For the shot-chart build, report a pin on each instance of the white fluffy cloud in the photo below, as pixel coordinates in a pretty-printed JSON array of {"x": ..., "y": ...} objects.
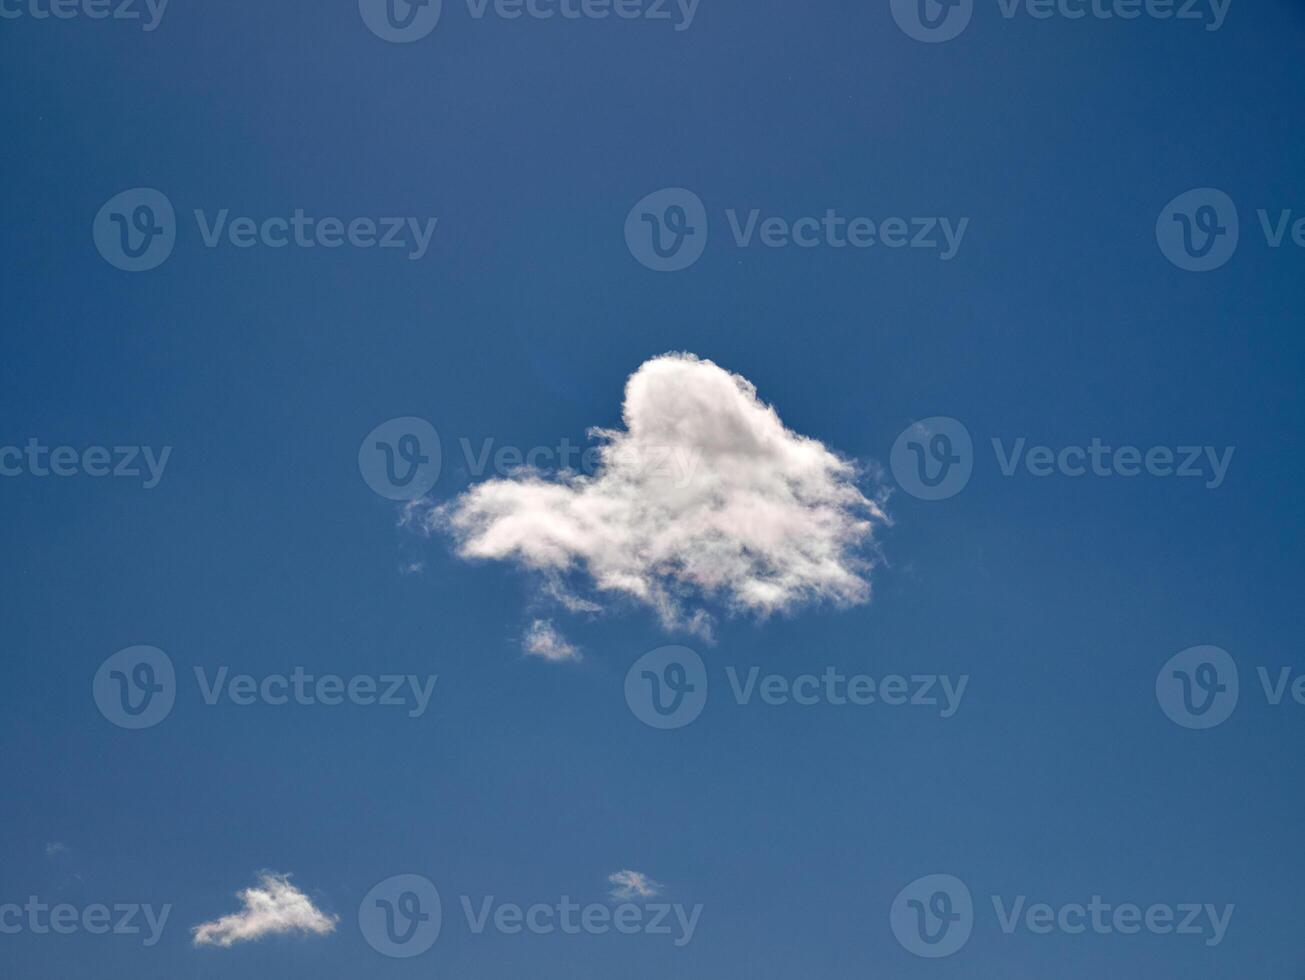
[
  {"x": 627, "y": 885},
  {"x": 272, "y": 907},
  {"x": 704, "y": 497},
  {"x": 543, "y": 640}
]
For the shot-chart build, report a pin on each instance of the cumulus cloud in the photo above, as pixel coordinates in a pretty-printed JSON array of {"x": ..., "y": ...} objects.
[
  {"x": 703, "y": 497},
  {"x": 543, "y": 640},
  {"x": 628, "y": 885},
  {"x": 272, "y": 907}
]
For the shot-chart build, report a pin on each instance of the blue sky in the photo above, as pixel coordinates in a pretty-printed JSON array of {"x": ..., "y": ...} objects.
[{"x": 262, "y": 548}]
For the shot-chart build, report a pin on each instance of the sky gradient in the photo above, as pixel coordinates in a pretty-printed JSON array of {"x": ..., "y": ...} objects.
[{"x": 262, "y": 547}]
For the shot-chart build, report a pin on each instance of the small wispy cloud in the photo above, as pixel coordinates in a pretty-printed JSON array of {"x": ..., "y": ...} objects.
[
  {"x": 56, "y": 849},
  {"x": 543, "y": 640},
  {"x": 628, "y": 885},
  {"x": 272, "y": 907}
]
